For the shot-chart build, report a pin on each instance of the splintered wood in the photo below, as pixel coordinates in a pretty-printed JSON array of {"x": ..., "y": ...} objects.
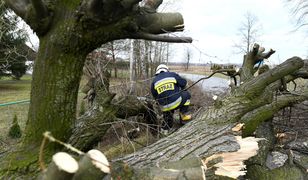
[
  {"x": 231, "y": 163},
  {"x": 238, "y": 127}
]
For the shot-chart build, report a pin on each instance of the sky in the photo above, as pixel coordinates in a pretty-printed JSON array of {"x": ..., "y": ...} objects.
[{"x": 214, "y": 26}]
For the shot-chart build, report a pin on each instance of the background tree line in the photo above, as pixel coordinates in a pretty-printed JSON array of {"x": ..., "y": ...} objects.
[{"x": 13, "y": 51}]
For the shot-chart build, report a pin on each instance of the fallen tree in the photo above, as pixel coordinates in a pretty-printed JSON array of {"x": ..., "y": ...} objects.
[
  {"x": 211, "y": 145},
  {"x": 213, "y": 136},
  {"x": 251, "y": 103}
]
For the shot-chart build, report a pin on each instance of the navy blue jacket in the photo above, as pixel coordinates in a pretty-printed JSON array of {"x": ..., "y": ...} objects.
[{"x": 165, "y": 87}]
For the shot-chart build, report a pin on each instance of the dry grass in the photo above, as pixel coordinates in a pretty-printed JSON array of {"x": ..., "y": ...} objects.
[{"x": 123, "y": 146}]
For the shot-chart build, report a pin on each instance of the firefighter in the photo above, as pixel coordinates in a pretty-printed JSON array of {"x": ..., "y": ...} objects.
[{"x": 168, "y": 89}]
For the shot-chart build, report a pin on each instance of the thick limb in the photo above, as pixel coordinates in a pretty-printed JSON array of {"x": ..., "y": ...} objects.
[
  {"x": 250, "y": 60},
  {"x": 20, "y": 7}
]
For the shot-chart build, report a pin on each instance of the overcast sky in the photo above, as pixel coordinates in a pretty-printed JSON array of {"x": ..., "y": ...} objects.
[{"x": 214, "y": 24}]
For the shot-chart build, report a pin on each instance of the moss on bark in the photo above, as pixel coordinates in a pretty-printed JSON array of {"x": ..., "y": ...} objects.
[
  {"x": 54, "y": 94},
  {"x": 286, "y": 173},
  {"x": 23, "y": 163}
]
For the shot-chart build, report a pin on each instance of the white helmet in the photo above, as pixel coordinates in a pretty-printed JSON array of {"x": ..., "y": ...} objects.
[{"x": 161, "y": 68}]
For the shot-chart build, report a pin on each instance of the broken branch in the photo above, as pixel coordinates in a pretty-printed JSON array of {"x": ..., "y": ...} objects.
[{"x": 162, "y": 38}]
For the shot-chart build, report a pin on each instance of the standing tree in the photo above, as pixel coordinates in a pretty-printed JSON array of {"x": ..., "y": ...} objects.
[
  {"x": 114, "y": 50},
  {"x": 300, "y": 11},
  {"x": 248, "y": 33},
  {"x": 187, "y": 58},
  {"x": 68, "y": 30},
  {"x": 13, "y": 51}
]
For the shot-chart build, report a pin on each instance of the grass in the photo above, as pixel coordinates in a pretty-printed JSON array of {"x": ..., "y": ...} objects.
[{"x": 10, "y": 91}]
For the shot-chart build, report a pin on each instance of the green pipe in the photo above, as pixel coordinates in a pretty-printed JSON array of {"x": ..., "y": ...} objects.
[{"x": 15, "y": 102}]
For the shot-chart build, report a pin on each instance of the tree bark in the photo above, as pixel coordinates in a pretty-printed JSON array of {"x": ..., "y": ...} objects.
[{"x": 54, "y": 92}]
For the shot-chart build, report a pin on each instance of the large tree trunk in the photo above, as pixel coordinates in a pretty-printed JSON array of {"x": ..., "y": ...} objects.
[{"x": 54, "y": 91}]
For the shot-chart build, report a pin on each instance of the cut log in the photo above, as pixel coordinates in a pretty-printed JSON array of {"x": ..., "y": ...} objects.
[
  {"x": 62, "y": 167},
  {"x": 94, "y": 164}
]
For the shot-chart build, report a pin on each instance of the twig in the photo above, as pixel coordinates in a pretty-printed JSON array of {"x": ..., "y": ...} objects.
[
  {"x": 41, "y": 154},
  {"x": 47, "y": 136},
  {"x": 185, "y": 89}
]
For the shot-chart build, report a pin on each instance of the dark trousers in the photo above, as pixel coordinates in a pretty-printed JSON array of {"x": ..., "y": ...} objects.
[
  {"x": 168, "y": 120},
  {"x": 168, "y": 115}
]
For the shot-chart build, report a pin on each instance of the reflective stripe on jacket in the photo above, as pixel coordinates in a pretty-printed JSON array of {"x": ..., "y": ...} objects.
[{"x": 166, "y": 87}]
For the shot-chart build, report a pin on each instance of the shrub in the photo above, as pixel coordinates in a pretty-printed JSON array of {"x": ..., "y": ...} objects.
[{"x": 15, "y": 131}]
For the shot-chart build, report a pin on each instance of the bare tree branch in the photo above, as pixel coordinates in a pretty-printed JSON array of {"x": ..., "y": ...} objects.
[
  {"x": 153, "y": 37},
  {"x": 301, "y": 74},
  {"x": 141, "y": 25},
  {"x": 254, "y": 57},
  {"x": 255, "y": 49},
  {"x": 269, "y": 110},
  {"x": 268, "y": 54},
  {"x": 256, "y": 86},
  {"x": 248, "y": 33}
]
